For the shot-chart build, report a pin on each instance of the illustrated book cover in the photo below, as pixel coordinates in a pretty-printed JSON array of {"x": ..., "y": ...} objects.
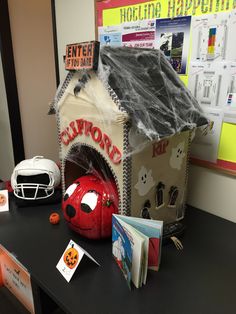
[{"x": 136, "y": 247}]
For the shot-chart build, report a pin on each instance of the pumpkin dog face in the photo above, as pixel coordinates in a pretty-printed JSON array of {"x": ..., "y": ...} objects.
[
  {"x": 88, "y": 206},
  {"x": 71, "y": 257}
]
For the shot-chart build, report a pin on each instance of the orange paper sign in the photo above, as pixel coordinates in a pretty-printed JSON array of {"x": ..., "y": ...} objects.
[
  {"x": 16, "y": 279},
  {"x": 82, "y": 56}
]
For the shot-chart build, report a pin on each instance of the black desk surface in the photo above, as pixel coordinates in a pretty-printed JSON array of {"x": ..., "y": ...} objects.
[{"x": 200, "y": 279}]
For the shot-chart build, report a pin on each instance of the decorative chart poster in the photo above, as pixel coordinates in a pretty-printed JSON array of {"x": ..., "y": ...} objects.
[
  {"x": 230, "y": 104},
  {"x": 205, "y": 145},
  {"x": 214, "y": 37},
  {"x": 212, "y": 80}
]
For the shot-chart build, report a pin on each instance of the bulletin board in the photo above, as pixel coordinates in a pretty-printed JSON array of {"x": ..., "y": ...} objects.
[{"x": 184, "y": 16}]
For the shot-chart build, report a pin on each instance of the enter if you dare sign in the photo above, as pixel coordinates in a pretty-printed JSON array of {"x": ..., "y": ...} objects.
[{"x": 82, "y": 56}]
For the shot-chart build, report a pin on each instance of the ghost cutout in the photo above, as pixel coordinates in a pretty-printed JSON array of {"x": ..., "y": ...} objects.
[
  {"x": 145, "y": 181},
  {"x": 177, "y": 156},
  {"x": 118, "y": 250}
]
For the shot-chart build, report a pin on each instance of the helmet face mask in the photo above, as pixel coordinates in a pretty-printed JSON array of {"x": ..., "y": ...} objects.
[
  {"x": 34, "y": 187},
  {"x": 32, "y": 182}
]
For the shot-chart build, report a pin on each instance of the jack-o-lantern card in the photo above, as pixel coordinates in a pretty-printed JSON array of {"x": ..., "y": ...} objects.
[
  {"x": 70, "y": 260},
  {"x": 4, "y": 201}
]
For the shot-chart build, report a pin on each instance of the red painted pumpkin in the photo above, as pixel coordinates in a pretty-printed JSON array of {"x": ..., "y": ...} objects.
[{"x": 88, "y": 206}]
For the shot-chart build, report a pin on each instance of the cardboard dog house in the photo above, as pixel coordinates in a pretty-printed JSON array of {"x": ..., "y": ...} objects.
[{"x": 129, "y": 121}]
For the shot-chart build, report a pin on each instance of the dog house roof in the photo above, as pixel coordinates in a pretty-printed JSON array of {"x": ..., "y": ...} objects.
[
  {"x": 145, "y": 86},
  {"x": 150, "y": 91}
]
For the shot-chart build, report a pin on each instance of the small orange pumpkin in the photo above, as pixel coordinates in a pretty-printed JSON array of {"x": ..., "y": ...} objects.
[
  {"x": 54, "y": 218},
  {"x": 3, "y": 199},
  {"x": 71, "y": 257}
]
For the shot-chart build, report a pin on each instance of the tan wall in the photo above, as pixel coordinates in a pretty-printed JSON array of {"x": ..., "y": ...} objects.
[
  {"x": 213, "y": 192},
  {"x": 75, "y": 24},
  {"x": 31, "y": 26}
]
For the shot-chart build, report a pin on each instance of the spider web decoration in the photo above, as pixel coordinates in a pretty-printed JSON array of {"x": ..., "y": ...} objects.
[{"x": 150, "y": 91}]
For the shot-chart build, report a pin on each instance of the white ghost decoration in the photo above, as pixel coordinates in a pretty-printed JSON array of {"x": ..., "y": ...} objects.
[
  {"x": 118, "y": 250},
  {"x": 177, "y": 156},
  {"x": 145, "y": 181}
]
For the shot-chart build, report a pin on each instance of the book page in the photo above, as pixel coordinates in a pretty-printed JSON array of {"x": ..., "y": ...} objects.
[
  {"x": 153, "y": 230},
  {"x": 137, "y": 242},
  {"x": 144, "y": 262},
  {"x": 122, "y": 249}
]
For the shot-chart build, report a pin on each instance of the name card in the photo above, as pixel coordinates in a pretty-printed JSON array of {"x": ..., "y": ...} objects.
[
  {"x": 4, "y": 205},
  {"x": 71, "y": 258}
]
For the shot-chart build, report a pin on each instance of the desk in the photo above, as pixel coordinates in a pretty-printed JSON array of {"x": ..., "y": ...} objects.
[{"x": 198, "y": 280}]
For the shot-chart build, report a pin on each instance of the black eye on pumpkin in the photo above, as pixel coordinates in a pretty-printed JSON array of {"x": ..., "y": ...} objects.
[
  {"x": 89, "y": 201},
  {"x": 85, "y": 208},
  {"x": 66, "y": 196}
]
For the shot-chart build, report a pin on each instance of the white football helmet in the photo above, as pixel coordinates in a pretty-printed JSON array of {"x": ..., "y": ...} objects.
[{"x": 35, "y": 178}]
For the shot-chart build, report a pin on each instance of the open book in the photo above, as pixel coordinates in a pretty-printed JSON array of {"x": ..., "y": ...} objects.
[{"x": 136, "y": 246}]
